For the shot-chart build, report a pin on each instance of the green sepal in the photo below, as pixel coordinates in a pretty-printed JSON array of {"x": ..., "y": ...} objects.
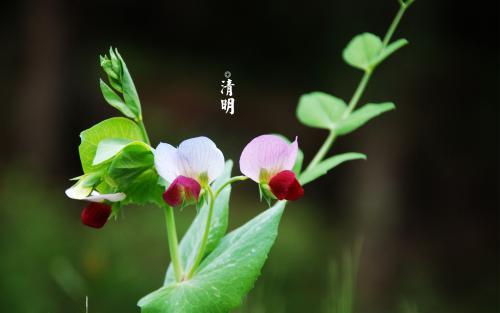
[{"x": 266, "y": 193}]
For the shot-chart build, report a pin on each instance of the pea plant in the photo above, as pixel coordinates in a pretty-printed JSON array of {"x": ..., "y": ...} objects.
[{"x": 211, "y": 270}]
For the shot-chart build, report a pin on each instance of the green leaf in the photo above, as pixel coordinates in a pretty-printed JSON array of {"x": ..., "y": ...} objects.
[
  {"x": 108, "y": 148},
  {"x": 362, "y": 115},
  {"x": 320, "y": 110},
  {"x": 226, "y": 275},
  {"x": 190, "y": 243},
  {"x": 129, "y": 92},
  {"x": 362, "y": 51},
  {"x": 390, "y": 49},
  {"x": 132, "y": 172},
  {"x": 114, "y": 100},
  {"x": 116, "y": 127},
  {"x": 326, "y": 165}
]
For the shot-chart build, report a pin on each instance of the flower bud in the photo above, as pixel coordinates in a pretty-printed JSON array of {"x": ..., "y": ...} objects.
[
  {"x": 182, "y": 191},
  {"x": 96, "y": 214},
  {"x": 285, "y": 185}
]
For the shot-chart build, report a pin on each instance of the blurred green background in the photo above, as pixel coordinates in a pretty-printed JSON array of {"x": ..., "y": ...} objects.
[{"x": 425, "y": 202}]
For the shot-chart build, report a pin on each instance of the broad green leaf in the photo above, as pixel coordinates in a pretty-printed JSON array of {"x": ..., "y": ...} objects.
[
  {"x": 145, "y": 188},
  {"x": 108, "y": 148},
  {"x": 363, "y": 50},
  {"x": 114, "y": 100},
  {"x": 226, "y": 275},
  {"x": 390, "y": 49},
  {"x": 116, "y": 127},
  {"x": 132, "y": 172},
  {"x": 129, "y": 92},
  {"x": 320, "y": 110},
  {"x": 362, "y": 115},
  {"x": 326, "y": 165},
  {"x": 190, "y": 243}
]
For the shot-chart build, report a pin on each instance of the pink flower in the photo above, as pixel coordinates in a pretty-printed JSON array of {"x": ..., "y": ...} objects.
[
  {"x": 268, "y": 160},
  {"x": 195, "y": 164}
]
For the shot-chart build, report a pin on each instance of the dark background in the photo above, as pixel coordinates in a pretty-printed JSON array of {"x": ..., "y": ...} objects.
[{"x": 425, "y": 202}]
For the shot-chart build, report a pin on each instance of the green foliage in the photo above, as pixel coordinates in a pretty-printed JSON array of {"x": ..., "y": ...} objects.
[
  {"x": 191, "y": 241},
  {"x": 116, "y": 127},
  {"x": 362, "y": 115},
  {"x": 116, "y": 157},
  {"x": 115, "y": 100},
  {"x": 114, "y": 150},
  {"x": 362, "y": 51},
  {"x": 226, "y": 275},
  {"x": 132, "y": 172},
  {"x": 390, "y": 49},
  {"x": 366, "y": 51},
  {"x": 324, "y": 166},
  {"x": 320, "y": 110},
  {"x": 108, "y": 148},
  {"x": 119, "y": 78}
]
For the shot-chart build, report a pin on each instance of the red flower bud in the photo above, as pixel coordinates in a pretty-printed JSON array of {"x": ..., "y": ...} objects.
[
  {"x": 285, "y": 185},
  {"x": 96, "y": 214},
  {"x": 182, "y": 190}
]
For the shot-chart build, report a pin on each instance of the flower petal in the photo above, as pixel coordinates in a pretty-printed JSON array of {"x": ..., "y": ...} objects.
[
  {"x": 285, "y": 185},
  {"x": 78, "y": 192},
  {"x": 182, "y": 190},
  {"x": 113, "y": 197},
  {"x": 166, "y": 161},
  {"x": 200, "y": 155},
  {"x": 96, "y": 214},
  {"x": 269, "y": 152}
]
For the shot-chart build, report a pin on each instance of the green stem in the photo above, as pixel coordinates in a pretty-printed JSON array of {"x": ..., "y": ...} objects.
[
  {"x": 361, "y": 86},
  {"x": 144, "y": 133},
  {"x": 358, "y": 93},
  {"x": 229, "y": 182},
  {"x": 204, "y": 239},
  {"x": 173, "y": 243},
  {"x": 403, "y": 6},
  {"x": 322, "y": 151}
]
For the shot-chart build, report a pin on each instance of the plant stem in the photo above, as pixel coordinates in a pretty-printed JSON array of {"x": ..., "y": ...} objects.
[
  {"x": 173, "y": 243},
  {"x": 403, "y": 6},
  {"x": 145, "y": 136},
  {"x": 204, "y": 239},
  {"x": 322, "y": 151},
  {"x": 229, "y": 182},
  {"x": 358, "y": 93},
  {"x": 361, "y": 86}
]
